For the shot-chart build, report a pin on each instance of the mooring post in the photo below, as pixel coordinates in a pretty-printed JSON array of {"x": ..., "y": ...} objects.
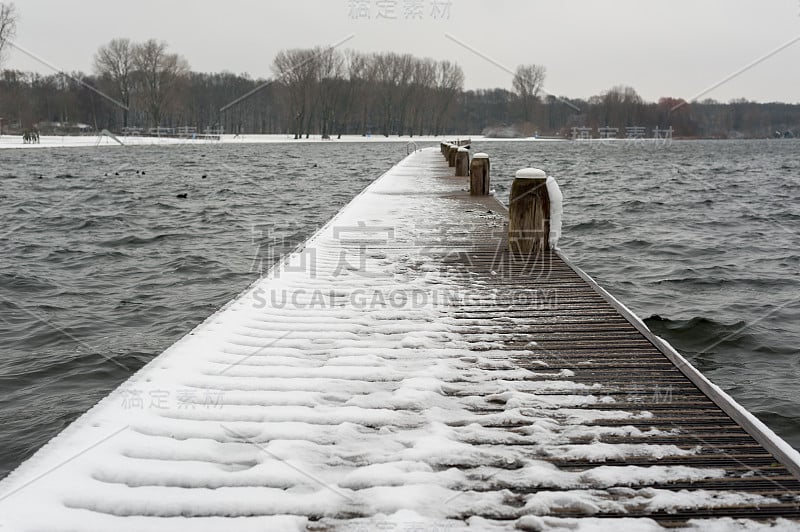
[
  {"x": 451, "y": 155},
  {"x": 479, "y": 175},
  {"x": 443, "y": 148},
  {"x": 462, "y": 162},
  {"x": 529, "y": 213}
]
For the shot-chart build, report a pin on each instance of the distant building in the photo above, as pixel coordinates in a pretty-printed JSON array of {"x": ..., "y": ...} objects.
[
  {"x": 132, "y": 131},
  {"x": 64, "y": 128}
]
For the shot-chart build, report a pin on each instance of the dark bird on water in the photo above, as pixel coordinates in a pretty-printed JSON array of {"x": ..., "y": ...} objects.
[{"x": 182, "y": 195}]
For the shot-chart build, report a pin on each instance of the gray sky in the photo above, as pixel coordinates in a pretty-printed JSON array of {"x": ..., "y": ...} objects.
[{"x": 662, "y": 48}]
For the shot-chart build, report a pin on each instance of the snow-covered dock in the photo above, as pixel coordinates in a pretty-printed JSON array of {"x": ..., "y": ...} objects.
[{"x": 402, "y": 371}]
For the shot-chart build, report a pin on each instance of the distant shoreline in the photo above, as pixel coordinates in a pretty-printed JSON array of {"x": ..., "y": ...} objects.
[{"x": 73, "y": 141}]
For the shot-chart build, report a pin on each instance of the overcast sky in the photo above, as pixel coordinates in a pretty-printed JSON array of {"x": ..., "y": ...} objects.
[{"x": 662, "y": 48}]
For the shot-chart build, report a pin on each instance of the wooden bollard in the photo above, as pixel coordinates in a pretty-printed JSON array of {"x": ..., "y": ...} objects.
[
  {"x": 462, "y": 162},
  {"x": 451, "y": 155},
  {"x": 529, "y": 213},
  {"x": 443, "y": 148},
  {"x": 479, "y": 175}
]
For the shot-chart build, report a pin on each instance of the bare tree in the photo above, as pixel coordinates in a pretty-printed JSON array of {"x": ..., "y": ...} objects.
[
  {"x": 421, "y": 103},
  {"x": 449, "y": 84},
  {"x": 159, "y": 75},
  {"x": 405, "y": 69},
  {"x": 114, "y": 63},
  {"x": 330, "y": 64},
  {"x": 365, "y": 92},
  {"x": 8, "y": 25},
  {"x": 620, "y": 106},
  {"x": 352, "y": 88},
  {"x": 386, "y": 81},
  {"x": 393, "y": 74},
  {"x": 528, "y": 81},
  {"x": 297, "y": 70}
]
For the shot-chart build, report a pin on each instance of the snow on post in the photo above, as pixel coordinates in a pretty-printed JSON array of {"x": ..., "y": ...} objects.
[
  {"x": 530, "y": 212},
  {"x": 451, "y": 155},
  {"x": 479, "y": 175},
  {"x": 556, "y": 211},
  {"x": 462, "y": 162}
]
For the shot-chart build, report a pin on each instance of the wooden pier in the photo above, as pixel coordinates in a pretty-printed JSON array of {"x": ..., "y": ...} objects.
[{"x": 403, "y": 370}]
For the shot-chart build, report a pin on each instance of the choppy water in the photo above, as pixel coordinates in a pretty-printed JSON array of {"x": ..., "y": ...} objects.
[{"x": 100, "y": 272}]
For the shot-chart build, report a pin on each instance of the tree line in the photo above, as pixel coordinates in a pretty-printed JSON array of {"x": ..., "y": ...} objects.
[{"x": 332, "y": 92}]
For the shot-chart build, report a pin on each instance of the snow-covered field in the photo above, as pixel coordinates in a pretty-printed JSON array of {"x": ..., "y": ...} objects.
[
  {"x": 339, "y": 392},
  {"x": 9, "y": 141}
]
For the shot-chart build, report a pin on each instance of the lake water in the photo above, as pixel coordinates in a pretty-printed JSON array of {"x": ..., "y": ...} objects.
[{"x": 103, "y": 265}]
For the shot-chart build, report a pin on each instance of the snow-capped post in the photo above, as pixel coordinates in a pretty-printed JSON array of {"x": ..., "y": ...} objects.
[
  {"x": 479, "y": 175},
  {"x": 451, "y": 155},
  {"x": 443, "y": 147},
  {"x": 529, "y": 213},
  {"x": 462, "y": 162}
]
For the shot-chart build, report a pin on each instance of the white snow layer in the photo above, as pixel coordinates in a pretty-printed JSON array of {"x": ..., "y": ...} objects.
[
  {"x": 556, "y": 211},
  {"x": 340, "y": 388}
]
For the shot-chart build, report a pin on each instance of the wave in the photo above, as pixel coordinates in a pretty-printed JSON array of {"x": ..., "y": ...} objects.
[
  {"x": 25, "y": 282},
  {"x": 133, "y": 240},
  {"x": 700, "y": 334},
  {"x": 590, "y": 225},
  {"x": 639, "y": 204}
]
